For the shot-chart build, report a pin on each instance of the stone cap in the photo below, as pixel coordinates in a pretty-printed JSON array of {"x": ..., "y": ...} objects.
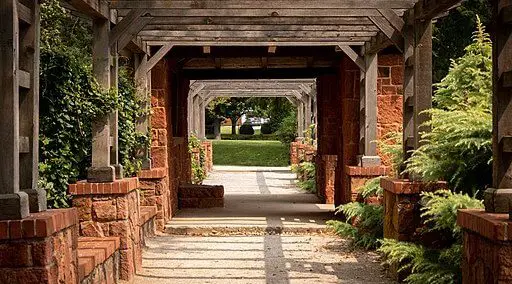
[
  {"x": 493, "y": 226},
  {"x": 120, "y": 186},
  {"x": 93, "y": 251},
  {"x": 154, "y": 173},
  {"x": 367, "y": 171},
  {"x": 405, "y": 186},
  {"x": 39, "y": 225}
]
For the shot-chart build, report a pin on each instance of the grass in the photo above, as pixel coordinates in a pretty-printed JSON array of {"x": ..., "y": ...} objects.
[{"x": 250, "y": 153}]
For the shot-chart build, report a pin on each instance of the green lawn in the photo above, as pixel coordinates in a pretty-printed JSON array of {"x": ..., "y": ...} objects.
[
  {"x": 250, "y": 153},
  {"x": 226, "y": 129}
]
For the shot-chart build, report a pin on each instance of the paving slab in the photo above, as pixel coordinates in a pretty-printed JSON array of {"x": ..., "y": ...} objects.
[
  {"x": 257, "y": 201},
  {"x": 257, "y": 259}
]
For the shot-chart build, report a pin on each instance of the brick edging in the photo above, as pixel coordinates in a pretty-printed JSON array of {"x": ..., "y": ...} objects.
[
  {"x": 495, "y": 227},
  {"x": 121, "y": 186},
  {"x": 155, "y": 173},
  {"x": 366, "y": 171},
  {"x": 39, "y": 225},
  {"x": 404, "y": 186}
]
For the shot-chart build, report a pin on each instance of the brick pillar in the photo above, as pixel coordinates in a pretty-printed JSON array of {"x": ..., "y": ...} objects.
[
  {"x": 358, "y": 176},
  {"x": 155, "y": 191},
  {"x": 326, "y": 177}
]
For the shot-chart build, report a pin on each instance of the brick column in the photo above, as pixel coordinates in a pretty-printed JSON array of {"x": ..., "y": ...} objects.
[
  {"x": 155, "y": 191},
  {"x": 358, "y": 176},
  {"x": 326, "y": 177},
  {"x": 112, "y": 210}
]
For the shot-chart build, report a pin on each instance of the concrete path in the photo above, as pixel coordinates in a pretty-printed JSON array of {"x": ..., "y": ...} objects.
[
  {"x": 257, "y": 259},
  {"x": 257, "y": 201},
  {"x": 268, "y": 232}
]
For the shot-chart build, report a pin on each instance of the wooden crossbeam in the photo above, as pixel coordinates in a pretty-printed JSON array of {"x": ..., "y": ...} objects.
[
  {"x": 430, "y": 9},
  {"x": 248, "y": 4},
  {"x": 267, "y": 20},
  {"x": 309, "y": 12},
  {"x": 390, "y": 32},
  {"x": 358, "y": 60},
  {"x": 396, "y": 21},
  {"x": 250, "y": 42},
  {"x": 257, "y": 34},
  {"x": 266, "y": 40},
  {"x": 261, "y": 27},
  {"x": 24, "y": 13},
  {"x": 125, "y": 24},
  {"x": 97, "y": 9},
  {"x": 147, "y": 66}
]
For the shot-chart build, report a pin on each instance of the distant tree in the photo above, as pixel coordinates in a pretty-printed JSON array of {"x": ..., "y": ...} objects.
[{"x": 232, "y": 108}]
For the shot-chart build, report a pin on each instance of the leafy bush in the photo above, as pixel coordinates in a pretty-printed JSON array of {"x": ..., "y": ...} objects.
[
  {"x": 287, "y": 131},
  {"x": 428, "y": 265},
  {"x": 246, "y": 129},
  {"x": 266, "y": 128},
  {"x": 390, "y": 145},
  {"x": 198, "y": 167},
  {"x": 459, "y": 147},
  {"x": 306, "y": 171},
  {"x": 364, "y": 222}
]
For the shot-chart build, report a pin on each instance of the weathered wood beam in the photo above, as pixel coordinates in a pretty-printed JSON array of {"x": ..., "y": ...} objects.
[
  {"x": 267, "y": 20},
  {"x": 126, "y": 25},
  {"x": 260, "y": 27},
  {"x": 390, "y": 32},
  {"x": 358, "y": 60},
  {"x": 216, "y": 41},
  {"x": 391, "y": 16},
  {"x": 272, "y": 49},
  {"x": 256, "y": 12},
  {"x": 97, "y": 9},
  {"x": 147, "y": 66},
  {"x": 408, "y": 87},
  {"x": 280, "y": 4},
  {"x": 252, "y": 42},
  {"x": 429, "y": 9},
  {"x": 377, "y": 43},
  {"x": 256, "y": 34}
]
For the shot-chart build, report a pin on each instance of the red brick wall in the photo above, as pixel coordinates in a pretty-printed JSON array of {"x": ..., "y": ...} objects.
[
  {"x": 169, "y": 128},
  {"x": 389, "y": 97}
]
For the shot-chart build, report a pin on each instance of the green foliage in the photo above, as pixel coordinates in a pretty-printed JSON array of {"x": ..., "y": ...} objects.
[
  {"x": 246, "y": 129},
  {"x": 371, "y": 188},
  {"x": 440, "y": 209},
  {"x": 425, "y": 265},
  {"x": 70, "y": 100},
  {"x": 451, "y": 34},
  {"x": 390, "y": 145},
  {"x": 266, "y": 128},
  {"x": 287, "y": 131},
  {"x": 131, "y": 109},
  {"x": 266, "y": 137},
  {"x": 459, "y": 147},
  {"x": 306, "y": 171},
  {"x": 364, "y": 223},
  {"x": 198, "y": 167},
  {"x": 429, "y": 265}
]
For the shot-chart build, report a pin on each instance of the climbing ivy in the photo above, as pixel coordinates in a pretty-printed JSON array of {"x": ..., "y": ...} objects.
[
  {"x": 70, "y": 99},
  {"x": 198, "y": 167}
]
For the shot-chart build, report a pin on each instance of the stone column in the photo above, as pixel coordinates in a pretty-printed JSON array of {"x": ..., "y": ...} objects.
[
  {"x": 101, "y": 169},
  {"x": 13, "y": 203}
]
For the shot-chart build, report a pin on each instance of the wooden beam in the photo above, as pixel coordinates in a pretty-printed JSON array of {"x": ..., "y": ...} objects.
[
  {"x": 251, "y": 42},
  {"x": 263, "y": 21},
  {"x": 267, "y": 40},
  {"x": 272, "y": 49},
  {"x": 256, "y": 12},
  {"x": 369, "y": 108},
  {"x": 278, "y": 4},
  {"x": 430, "y": 9},
  {"x": 408, "y": 88},
  {"x": 396, "y": 21},
  {"x": 206, "y": 49},
  {"x": 125, "y": 24},
  {"x": 147, "y": 66},
  {"x": 256, "y": 34},
  {"x": 262, "y": 27},
  {"x": 389, "y": 31},
  {"x": 97, "y": 9},
  {"x": 358, "y": 60},
  {"x": 25, "y": 13}
]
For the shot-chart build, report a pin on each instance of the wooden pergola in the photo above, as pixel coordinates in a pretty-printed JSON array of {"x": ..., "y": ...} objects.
[
  {"x": 148, "y": 30},
  {"x": 301, "y": 93}
]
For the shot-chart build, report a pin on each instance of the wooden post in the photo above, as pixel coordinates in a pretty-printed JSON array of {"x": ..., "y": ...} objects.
[
  {"x": 114, "y": 116},
  {"x": 300, "y": 118},
  {"x": 307, "y": 112},
  {"x": 196, "y": 115},
  {"x": 13, "y": 203},
  {"x": 202, "y": 120},
  {"x": 417, "y": 81},
  {"x": 29, "y": 109},
  {"x": 101, "y": 169},
  {"x": 368, "y": 118},
  {"x": 499, "y": 198}
]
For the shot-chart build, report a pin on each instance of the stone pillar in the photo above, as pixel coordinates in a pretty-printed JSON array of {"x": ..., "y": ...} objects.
[
  {"x": 101, "y": 169},
  {"x": 13, "y": 203}
]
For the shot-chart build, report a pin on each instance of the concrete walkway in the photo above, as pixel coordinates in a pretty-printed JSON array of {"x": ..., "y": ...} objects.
[
  {"x": 268, "y": 232},
  {"x": 257, "y": 201}
]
